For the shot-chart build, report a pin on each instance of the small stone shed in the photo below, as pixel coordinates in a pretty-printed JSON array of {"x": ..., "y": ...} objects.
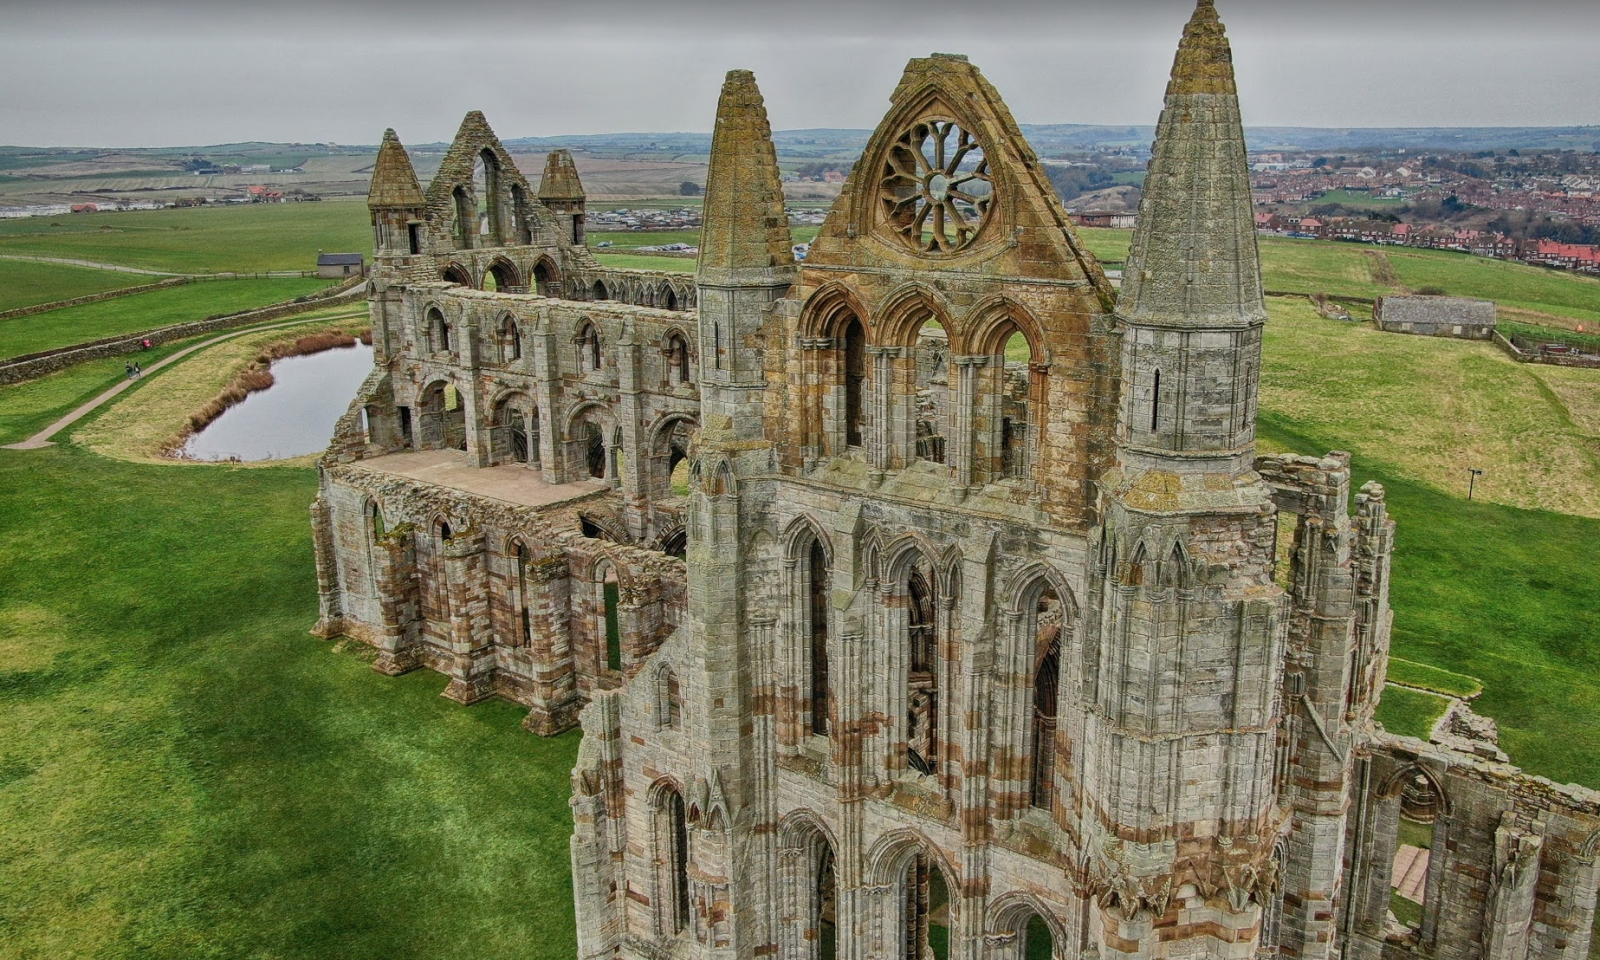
[
  {"x": 1437, "y": 317},
  {"x": 337, "y": 266}
]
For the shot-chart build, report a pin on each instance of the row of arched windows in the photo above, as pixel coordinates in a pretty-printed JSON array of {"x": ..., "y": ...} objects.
[
  {"x": 917, "y": 614},
  {"x": 909, "y": 398},
  {"x": 677, "y": 367}
]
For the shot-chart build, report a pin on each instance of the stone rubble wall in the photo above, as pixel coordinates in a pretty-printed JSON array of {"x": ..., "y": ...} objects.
[{"x": 94, "y": 298}]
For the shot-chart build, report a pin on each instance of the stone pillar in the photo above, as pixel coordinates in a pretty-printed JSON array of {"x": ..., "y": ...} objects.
[
  {"x": 1513, "y": 886},
  {"x": 971, "y": 413},
  {"x": 555, "y": 693},
  {"x": 885, "y": 422},
  {"x": 399, "y": 601},
  {"x": 471, "y": 666},
  {"x": 547, "y": 393},
  {"x": 636, "y": 455}
]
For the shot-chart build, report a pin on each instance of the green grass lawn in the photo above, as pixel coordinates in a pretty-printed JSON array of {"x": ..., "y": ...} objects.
[
  {"x": 145, "y": 311},
  {"x": 1410, "y": 713},
  {"x": 24, "y": 283},
  {"x": 248, "y": 238},
  {"x": 641, "y": 261},
  {"x": 185, "y": 773}
]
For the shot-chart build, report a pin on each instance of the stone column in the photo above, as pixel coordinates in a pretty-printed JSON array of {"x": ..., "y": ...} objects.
[
  {"x": 818, "y": 398},
  {"x": 971, "y": 415},
  {"x": 471, "y": 667}
]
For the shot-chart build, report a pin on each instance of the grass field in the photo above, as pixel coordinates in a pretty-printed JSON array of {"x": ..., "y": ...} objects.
[
  {"x": 250, "y": 238},
  {"x": 25, "y": 283},
  {"x": 1358, "y": 270},
  {"x": 145, "y": 311},
  {"x": 1410, "y": 713},
  {"x": 184, "y": 773},
  {"x": 1501, "y": 588}
]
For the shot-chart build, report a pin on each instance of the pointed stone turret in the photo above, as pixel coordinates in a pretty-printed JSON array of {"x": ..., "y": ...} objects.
[
  {"x": 1191, "y": 302},
  {"x": 560, "y": 180},
  {"x": 746, "y": 259},
  {"x": 394, "y": 181},
  {"x": 1194, "y": 258},
  {"x": 562, "y": 194},
  {"x": 745, "y": 226}
]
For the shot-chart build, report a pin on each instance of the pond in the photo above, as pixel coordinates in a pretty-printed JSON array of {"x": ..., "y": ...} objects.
[{"x": 293, "y": 417}]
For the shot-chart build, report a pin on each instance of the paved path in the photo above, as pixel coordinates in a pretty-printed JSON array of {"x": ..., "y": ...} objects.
[
  {"x": 42, "y": 438},
  {"x": 117, "y": 268}
]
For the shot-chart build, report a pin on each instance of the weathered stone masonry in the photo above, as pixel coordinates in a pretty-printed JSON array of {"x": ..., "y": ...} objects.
[{"x": 993, "y": 637}]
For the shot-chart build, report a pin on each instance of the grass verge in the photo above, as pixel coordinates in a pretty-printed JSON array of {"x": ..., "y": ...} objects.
[
  {"x": 1424, "y": 677},
  {"x": 158, "y": 413}
]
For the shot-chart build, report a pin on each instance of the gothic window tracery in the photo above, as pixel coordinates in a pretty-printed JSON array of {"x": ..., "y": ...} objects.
[{"x": 935, "y": 190}]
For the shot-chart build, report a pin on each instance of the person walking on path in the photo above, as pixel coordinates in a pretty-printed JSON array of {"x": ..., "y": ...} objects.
[
  {"x": 138, "y": 374},
  {"x": 129, "y": 368}
]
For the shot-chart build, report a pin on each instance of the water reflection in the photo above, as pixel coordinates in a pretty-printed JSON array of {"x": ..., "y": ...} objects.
[{"x": 294, "y": 416}]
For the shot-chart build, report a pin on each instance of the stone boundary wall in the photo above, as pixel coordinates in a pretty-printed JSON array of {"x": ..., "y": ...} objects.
[
  {"x": 30, "y": 366},
  {"x": 93, "y": 298},
  {"x": 1581, "y": 361}
]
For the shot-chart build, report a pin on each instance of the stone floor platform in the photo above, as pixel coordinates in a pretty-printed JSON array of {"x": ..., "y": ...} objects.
[{"x": 510, "y": 483}]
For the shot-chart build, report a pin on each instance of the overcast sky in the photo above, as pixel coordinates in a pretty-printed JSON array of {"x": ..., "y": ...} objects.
[{"x": 168, "y": 72}]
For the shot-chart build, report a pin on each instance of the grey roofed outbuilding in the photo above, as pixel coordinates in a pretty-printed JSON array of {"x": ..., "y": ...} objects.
[{"x": 340, "y": 259}]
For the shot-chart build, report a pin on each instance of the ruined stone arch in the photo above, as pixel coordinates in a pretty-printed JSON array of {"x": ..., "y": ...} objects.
[
  {"x": 671, "y": 439},
  {"x": 673, "y": 539},
  {"x": 458, "y": 274},
  {"x": 589, "y": 426},
  {"x": 1026, "y": 585},
  {"x": 907, "y": 550},
  {"x": 829, "y": 309},
  {"x": 798, "y": 534},
  {"x": 666, "y": 297},
  {"x": 510, "y": 340},
  {"x": 900, "y": 319},
  {"x": 990, "y": 325},
  {"x": 514, "y": 427},
  {"x": 678, "y": 356},
  {"x": 808, "y": 886},
  {"x": 1391, "y": 787},
  {"x": 589, "y": 343},
  {"x": 441, "y": 426},
  {"x": 504, "y": 274},
  {"x": 1009, "y": 917},
  {"x": 902, "y": 863},
  {"x": 670, "y": 849},
  {"x": 668, "y": 692},
  {"x": 599, "y": 291},
  {"x": 547, "y": 279}
]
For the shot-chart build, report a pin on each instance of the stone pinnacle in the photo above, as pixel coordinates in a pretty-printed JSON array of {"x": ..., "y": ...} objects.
[
  {"x": 394, "y": 181},
  {"x": 744, "y": 222}
]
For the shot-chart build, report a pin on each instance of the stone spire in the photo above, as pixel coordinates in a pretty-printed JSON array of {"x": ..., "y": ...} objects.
[
  {"x": 394, "y": 182},
  {"x": 744, "y": 225},
  {"x": 560, "y": 180},
  {"x": 1194, "y": 258}
]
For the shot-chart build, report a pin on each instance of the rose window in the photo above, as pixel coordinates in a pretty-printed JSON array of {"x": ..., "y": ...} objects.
[{"x": 936, "y": 189}]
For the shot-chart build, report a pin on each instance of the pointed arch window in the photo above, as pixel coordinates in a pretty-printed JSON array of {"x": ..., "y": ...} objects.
[
  {"x": 522, "y": 561},
  {"x": 922, "y": 687},
  {"x": 855, "y": 383},
  {"x": 1046, "y": 686},
  {"x": 589, "y": 359},
  {"x": 673, "y": 835},
  {"x": 817, "y": 583},
  {"x": 1155, "y": 403}
]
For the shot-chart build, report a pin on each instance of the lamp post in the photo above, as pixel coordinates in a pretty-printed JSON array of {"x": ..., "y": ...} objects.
[{"x": 1472, "y": 483}]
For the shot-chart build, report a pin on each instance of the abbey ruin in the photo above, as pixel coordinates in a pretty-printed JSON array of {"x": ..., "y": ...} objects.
[{"x": 973, "y": 625}]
